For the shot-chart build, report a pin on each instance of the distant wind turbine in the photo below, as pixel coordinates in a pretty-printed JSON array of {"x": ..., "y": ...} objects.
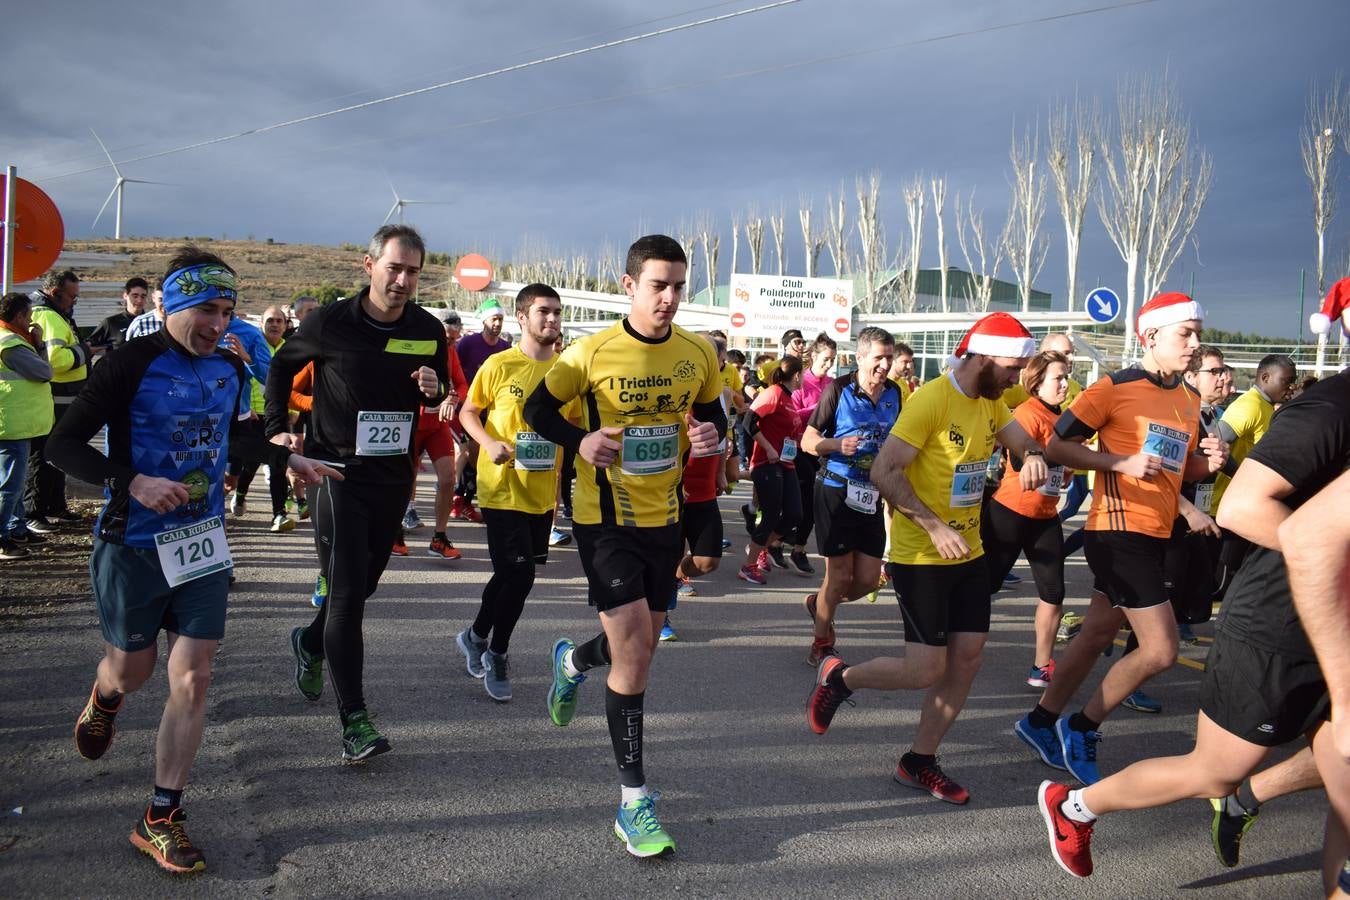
[
  {"x": 399, "y": 203},
  {"x": 121, "y": 182}
]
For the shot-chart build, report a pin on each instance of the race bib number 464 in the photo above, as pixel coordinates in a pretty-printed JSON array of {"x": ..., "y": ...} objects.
[
  {"x": 650, "y": 449},
  {"x": 1169, "y": 445},
  {"x": 193, "y": 551},
  {"x": 383, "y": 433}
]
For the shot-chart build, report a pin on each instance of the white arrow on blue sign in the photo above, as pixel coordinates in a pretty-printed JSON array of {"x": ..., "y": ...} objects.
[{"x": 1102, "y": 305}]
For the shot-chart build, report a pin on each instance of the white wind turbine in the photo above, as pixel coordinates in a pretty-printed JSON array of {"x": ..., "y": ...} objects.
[
  {"x": 399, "y": 203},
  {"x": 121, "y": 182}
]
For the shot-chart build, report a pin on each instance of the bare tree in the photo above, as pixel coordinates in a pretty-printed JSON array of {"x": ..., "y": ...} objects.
[
  {"x": 754, "y": 240},
  {"x": 870, "y": 243},
  {"x": 1154, "y": 187},
  {"x": 1317, "y": 141},
  {"x": 712, "y": 243},
  {"x": 938, "y": 186},
  {"x": 778, "y": 223},
  {"x": 813, "y": 238},
  {"x": 978, "y": 251},
  {"x": 608, "y": 267},
  {"x": 1074, "y": 136},
  {"x": 916, "y": 200},
  {"x": 688, "y": 238},
  {"x": 1024, "y": 245},
  {"x": 735, "y": 242},
  {"x": 836, "y": 235}
]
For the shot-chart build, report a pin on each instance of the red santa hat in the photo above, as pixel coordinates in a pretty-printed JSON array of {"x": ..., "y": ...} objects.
[
  {"x": 1336, "y": 306},
  {"x": 1166, "y": 309},
  {"x": 997, "y": 334}
]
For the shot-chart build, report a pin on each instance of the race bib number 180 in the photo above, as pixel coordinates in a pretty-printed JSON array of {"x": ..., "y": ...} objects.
[
  {"x": 649, "y": 449},
  {"x": 1169, "y": 445},
  {"x": 192, "y": 551},
  {"x": 861, "y": 496},
  {"x": 383, "y": 433},
  {"x": 968, "y": 484}
]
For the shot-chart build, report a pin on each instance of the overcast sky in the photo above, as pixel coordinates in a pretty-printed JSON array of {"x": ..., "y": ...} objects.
[{"x": 572, "y": 154}]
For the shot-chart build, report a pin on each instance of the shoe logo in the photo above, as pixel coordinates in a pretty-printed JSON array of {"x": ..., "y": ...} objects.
[
  {"x": 615, "y": 582},
  {"x": 1266, "y": 728},
  {"x": 135, "y": 637}
]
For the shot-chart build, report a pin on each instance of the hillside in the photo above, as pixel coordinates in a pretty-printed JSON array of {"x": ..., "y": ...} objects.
[{"x": 268, "y": 272}]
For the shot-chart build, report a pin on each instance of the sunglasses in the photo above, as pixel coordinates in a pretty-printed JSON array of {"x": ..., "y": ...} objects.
[{"x": 1217, "y": 371}]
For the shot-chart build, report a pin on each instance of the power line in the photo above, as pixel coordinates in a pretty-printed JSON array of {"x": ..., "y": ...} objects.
[{"x": 444, "y": 84}]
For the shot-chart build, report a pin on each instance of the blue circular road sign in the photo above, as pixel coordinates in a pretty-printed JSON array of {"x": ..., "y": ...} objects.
[{"x": 1102, "y": 305}]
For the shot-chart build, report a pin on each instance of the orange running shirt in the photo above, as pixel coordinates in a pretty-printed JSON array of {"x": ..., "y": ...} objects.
[
  {"x": 1038, "y": 420},
  {"x": 1132, "y": 413}
]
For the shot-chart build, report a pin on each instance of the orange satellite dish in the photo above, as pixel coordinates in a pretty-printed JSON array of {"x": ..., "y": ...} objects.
[{"x": 39, "y": 232}]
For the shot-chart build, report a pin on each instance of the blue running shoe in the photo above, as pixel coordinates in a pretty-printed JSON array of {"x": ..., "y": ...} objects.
[
  {"x": 1042, "y": 740},
  {"x": 562, "y": 694},
  {"x": 1187, "y": 634},
  {"x": 1079, "y": 750},
  {"x": 667, "y": 632},
  {"x": 1012, "y": 578},
  {"x": 320, "y": 592},
  {"x": 637, "y": 826},
  {"x": 685, "y": 587},
  {"x": 1141, "y": 702}
]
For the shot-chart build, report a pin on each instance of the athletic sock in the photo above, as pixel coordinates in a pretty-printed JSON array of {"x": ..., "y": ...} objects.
[
  {"x": 592, "y": 654},
  {"x": 569, "y": 665},
  {"x": 1246, "y": 799},
  {"x": 630, "y": 794},
  {"x": 1080, "y": 722},
  {"x": 1040, "y": 717},
  {"x": 623, "y": 712},
  {"x": 917, "y": 762},
  {"x": 440, "y": 536},
  {"x": 165, "y": 801},
  {"x": 1074, "y": 807},
  {"x": 107, "y": 702}
]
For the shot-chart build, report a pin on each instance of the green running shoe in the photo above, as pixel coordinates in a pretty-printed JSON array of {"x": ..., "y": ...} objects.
[
  {"x": 1227, "y": 831},
  {"x": 562, "y": 694},
  {"x": 308, "y": 669},
  {"x": 637, "y": 826},
  {"x": 360, "y": 740}
]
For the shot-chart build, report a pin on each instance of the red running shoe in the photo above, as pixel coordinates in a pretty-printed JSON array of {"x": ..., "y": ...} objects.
[
  {"x": 825, "y": 698},
  {"x": 400, "y": 547},
  {"x": 933, "y": 780},
  {"x": 94, "y": 729},
  {"x": 471, "y": 513},
  {"x": 1070, "y": 841},
  {"x": 443, "y": 548},
  {"x": 457, "y": 507}
]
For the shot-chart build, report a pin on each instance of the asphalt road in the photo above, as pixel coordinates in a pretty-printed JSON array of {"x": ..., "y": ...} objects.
[{"x": 486, "y": 799}]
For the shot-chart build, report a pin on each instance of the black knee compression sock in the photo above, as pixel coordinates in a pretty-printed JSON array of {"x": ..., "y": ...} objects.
[
  {"x": 592, "y": 654},
  {"x": 624, "y": 714}
]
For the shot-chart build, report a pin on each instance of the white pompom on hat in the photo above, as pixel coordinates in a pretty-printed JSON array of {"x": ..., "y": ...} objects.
[
  {"x": 490, "y": 308},
  {"x": 997, "y": 334},
  {"x": 1335, "y": 306},
  {"x": 1167, "y": 309}
]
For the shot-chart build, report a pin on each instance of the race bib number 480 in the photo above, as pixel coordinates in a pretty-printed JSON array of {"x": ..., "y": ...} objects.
[
  {"x": 192, "y": 551},
  {"x": 968, "y": 484},
  {"x": 383, "y": 433},
  {"x": 1169, "y": 445},
  {"x": 649, "y": 449}
]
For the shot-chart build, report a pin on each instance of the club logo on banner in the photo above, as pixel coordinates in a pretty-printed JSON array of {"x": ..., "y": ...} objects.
[{"x": 765, "y": 306}]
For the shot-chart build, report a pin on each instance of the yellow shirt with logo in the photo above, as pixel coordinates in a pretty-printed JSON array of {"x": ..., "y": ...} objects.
[
  {"x": 526, "y": 482},
  {"x": 731, "y": 377},
  {"x": 644, "y": 386},
  {"x": 1249, "y": 417},
  {"x": 955, "y": 437}
]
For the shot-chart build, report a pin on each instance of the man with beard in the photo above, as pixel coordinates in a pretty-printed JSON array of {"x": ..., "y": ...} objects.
[
  {"x": 932, "y": 471},
  {"x": 1148, "y": 427},
  {"x": 517, "y": 482}
]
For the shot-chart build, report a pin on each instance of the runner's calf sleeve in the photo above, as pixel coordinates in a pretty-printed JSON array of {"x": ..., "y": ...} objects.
[
  {"x": 592, "y": 654},
  {"x": 624, "y": 715}
]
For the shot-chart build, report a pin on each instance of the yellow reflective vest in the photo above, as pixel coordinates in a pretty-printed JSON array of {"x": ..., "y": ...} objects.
[{"x": 25, "y": 406}]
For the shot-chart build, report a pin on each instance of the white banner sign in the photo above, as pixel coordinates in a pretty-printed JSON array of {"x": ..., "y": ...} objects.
[{"x": 765, "y": 306}]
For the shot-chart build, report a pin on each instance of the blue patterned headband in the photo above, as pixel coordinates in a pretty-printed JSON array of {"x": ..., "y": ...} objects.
[{"x": 194, "y": 285}]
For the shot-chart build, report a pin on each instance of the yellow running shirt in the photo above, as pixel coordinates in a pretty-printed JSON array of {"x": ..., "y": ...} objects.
[
  {"x": 644, "y": 386},
  {"x": 1249, "y": 417},
  {"x": 954, "y": 435},
  {"x": 528, "y": 481}
]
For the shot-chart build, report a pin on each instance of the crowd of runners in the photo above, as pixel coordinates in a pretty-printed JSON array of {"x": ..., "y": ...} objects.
[{"x": 631, "y": 434}]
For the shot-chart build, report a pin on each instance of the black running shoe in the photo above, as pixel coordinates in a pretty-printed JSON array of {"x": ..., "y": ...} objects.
[
  {"x": 801, "y": 563},
  {"x": 749, "y": 515},
  {"x": 776, "y": 556},
  {"x": 94, "y": 729},
  {"x": 1227, "y": 831}
]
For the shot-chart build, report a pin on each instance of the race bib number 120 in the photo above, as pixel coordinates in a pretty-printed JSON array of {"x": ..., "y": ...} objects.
[
  {"x": 192, "y": 551},
  {"x": 383, "y": 433}
]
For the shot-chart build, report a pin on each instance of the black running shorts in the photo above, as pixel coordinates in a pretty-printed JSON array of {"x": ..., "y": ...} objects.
[
  {"x": 938, "y": 600},
  {"x": 702, "y": 526},
  {"x": 1261, "y": 697},
  {"x": 841, "y": 530},
  {"x": 624, "y": 563},
  {"x": 1127, "y": 567},
  {"x": 515, "y": 537}
]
